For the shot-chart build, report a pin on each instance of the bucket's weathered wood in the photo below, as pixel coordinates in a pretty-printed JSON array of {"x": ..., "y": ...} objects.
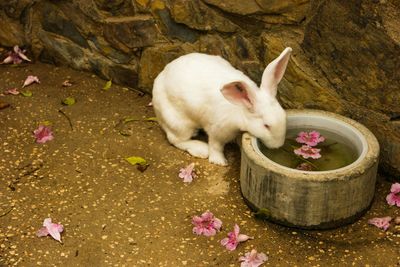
[{"x": 309, "y": 199}]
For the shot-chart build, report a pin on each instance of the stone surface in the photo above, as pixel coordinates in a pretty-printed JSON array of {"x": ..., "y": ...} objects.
[
  {"x": 301, "y": 86},
  {"x": 172, "y": 29},
  {"x": 356, "y": 46},
  {"x": 364, "y": 72},
  {"x": 154, "y": 59},
  {"x": 237, "y": 6},
  {"x": 275, "y": 12},
  {"x": 55, "y": 21},
  {"x": 238, "y": 50},
  {"x": 127, "y": 33},
  {"x": 344, "y": 54},
  {"x": 197, "y": 15},
  {"x": 11, "y": 32}
]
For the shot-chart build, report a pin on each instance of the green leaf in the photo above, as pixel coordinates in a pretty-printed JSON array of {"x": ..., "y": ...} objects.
[
  {"x": 151, "y": 119},
  {"x": 46, "y": 123},
  {"x": 129, "y": 119},
  {"x": 136, "y": 160},
  {"x": 26, "y": 93},
  {"x": 141, "y": 163},
  {"x": 107, "y": 86},
  {"x": 69, "y": 101}
]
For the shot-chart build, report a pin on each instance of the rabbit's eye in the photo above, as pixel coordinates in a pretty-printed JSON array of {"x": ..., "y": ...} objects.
[{"x": 266, "y": 126}]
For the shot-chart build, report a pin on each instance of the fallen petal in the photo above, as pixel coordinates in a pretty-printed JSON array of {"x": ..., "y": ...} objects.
[
  {"x": 43, "y": 134},
  {"x": 21, "y": 55},
  {"x": 395, "y": 188},
  {"x": 52, "y": 229},
  {"x": 42, "y": 232},
  {"x": 29, "y": 80},
  {"x": 187, "y": 173},
  {"x": 206, "y": 224},
  {"x": 54, "y": 232},
  {"x": 381, "y": 223},
  {"x": 12, "y": 91},
  {"x": 242, "y": 238},
  {"x": 252, "y": 259},
  {"x": 234, "y": 238},
  {"x": 7, "y": 60},
  {"x": 16, "y": 49}
]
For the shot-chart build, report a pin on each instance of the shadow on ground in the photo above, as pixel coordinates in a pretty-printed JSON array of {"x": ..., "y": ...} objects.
[{"x": 115, "y": 215}]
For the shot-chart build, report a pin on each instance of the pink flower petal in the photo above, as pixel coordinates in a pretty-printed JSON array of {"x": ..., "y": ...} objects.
[
  {"x": 15, "y": 56},
  {"x": 20, "y": 53},
  {"x": 29, "y": 80},
  {"x": 224, "y": 241},
  {"x": 206, "y": 224},
  {"x": 16, "y": 49},
  {"x": 310, "y": 138},
  {"x": 252, "y": 259},
  {"x": 393, "y": 198},
  {"x": 187, "y": 173},
  {"x": 42, "y": 232},
  {"x": 217, "y": 223},
  {"x": 234, "y": 238},
  {"x": 7, "y": 60},
  {"x": 382, "y": 223},
  {"x": 307, "y": 151},
  {"x": 12, "y": 91},
  {"x": 395, "y": 188},
  {"x": 52, "y": 229},
  {"x": 231, "y": 246},
  {"x": 242, "y": 238},
  {"x": 43, "y": 134}
]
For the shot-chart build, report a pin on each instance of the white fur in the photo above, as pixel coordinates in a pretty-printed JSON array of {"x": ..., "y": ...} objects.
[{"x": 202, "y": 91}]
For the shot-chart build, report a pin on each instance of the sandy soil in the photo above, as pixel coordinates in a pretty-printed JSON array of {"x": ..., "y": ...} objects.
[{"x": 116, "y": 215}]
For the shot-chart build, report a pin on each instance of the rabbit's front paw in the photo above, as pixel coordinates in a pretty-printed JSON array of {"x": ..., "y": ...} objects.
[{"x": 218, "y": 159}]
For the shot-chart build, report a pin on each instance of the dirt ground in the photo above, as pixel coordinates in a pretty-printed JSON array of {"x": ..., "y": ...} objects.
[{"x": 116, "y": 215}]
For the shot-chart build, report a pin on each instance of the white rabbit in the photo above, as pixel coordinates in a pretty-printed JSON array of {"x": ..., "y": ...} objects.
[{"x": 199, "y": 91}]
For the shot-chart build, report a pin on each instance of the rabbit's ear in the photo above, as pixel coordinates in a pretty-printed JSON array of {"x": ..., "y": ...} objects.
[
  {"x": 238, "y": 93},
  {"x": 273, "y": 73}
]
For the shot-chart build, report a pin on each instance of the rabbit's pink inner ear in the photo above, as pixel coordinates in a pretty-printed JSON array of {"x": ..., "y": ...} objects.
[{"x": 237, "y": 93}]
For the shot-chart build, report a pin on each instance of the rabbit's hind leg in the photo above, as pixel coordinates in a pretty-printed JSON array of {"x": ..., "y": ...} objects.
[
  {"x": 179, "y": 132},
  {"x": 182, "y": 141}
]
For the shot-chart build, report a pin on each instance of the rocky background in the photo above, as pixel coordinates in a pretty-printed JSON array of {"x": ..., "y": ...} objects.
[{"x": 346, "y": 53}]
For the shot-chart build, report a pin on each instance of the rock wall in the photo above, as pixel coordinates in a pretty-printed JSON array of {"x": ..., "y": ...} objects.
[
  {"x": 131, "y": 41},
  {"x": 356, "y": 46},
  {"x": 344, "y": 60}
]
